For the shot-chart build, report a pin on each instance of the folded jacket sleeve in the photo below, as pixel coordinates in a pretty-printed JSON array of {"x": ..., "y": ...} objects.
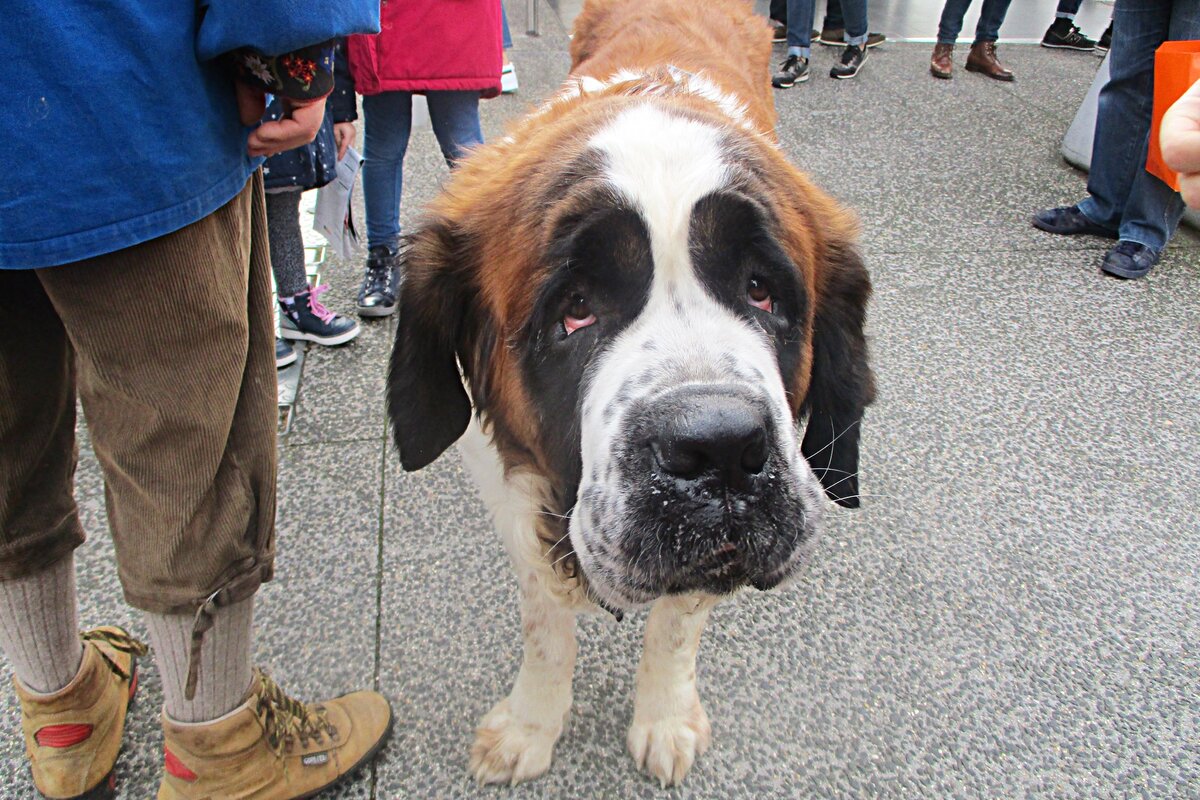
[
  {"x": 304, "y": 74},
  {"x": 276, "y": 27}
]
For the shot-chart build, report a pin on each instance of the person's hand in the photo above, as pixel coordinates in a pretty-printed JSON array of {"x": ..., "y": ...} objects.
[
  {"x": 297, "y": 127},
  {"x": 1179, "y": 138},
  {"x": 344, "y": 134}
]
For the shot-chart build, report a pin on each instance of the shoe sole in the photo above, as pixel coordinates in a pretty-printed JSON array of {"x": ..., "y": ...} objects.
[
  {"x": 942, "y": 75},
  {"x": 106, "y": 789},
  {"x": 790, "y": 84},
  {"x": 840, "y": 43},
  {"x": 986, "y": 74},
  {"x": 845, "y": 77},
  {"x": 1048, "y": 228},
  {"x": 328, "y": 341},
  {"x": 286, "y": 361},
  {"x": 376, "y": 311},
  {"x": 1125, "y": 274},
  {"x": 367, "y": 758},
  {"x": 1069, "y": 47}
]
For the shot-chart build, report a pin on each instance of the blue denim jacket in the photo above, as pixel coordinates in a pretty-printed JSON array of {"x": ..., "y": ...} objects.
[{"x": 121, "y": 116}]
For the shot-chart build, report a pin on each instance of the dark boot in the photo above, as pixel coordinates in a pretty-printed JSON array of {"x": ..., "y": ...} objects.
[
  {"x": 381, "y": 283},
  {"x": 982, "y": 58},
  {"x": 940, "y": 63}
]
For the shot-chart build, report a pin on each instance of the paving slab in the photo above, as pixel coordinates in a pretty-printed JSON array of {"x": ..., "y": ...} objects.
[{"x": 1011, "y": 614}]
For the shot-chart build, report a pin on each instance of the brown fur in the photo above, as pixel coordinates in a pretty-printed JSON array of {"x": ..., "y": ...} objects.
[{"x": 476, "y": 258}]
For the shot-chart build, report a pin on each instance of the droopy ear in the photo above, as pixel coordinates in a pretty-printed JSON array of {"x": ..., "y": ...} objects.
[
  {"x": 427, "y": 403},
  {"x": 841, "y": 384}
]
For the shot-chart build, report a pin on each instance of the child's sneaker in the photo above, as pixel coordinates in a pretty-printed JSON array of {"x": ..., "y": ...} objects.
[
  {"x": 285, "y": 354},
  {"x": 508, "y": 78},
  {"x": 304, "y": 318}
]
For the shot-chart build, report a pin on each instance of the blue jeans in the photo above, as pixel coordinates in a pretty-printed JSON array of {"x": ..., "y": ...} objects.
[
  {"x": 990, "y": 20},
  {"x": 506, "y": 34},
  {"x": 387, "y": 122},
  {"x": 800, "y": 15},
  {"x": 1122, "y": 195}
]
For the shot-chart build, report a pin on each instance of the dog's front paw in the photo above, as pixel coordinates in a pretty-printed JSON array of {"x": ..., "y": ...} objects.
[
  {"x": 667, "y": 746},
  {"x": 509, "y": 750}
]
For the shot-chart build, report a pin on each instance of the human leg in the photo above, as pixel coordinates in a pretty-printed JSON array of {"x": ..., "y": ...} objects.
[
  {"x": 991, "y": 17},
  {"x": 855, "y": 54},
  {"x": 455, "y": 118},
  {"x": 1123, "y": 114},
  {"x": 39, "y": 524},
  {"x": 983, "y": 58},
  {"x": 834, "y": 20},
  {"x": 951, "y": 22},
  {"x": 1153, "y": 209},
  {"x": 287, "y": 242},
  {"x": 387, "y": 123},
  {"x": 302, "y": 316},
  {"x": 794, "y": 68},
  {"x": 73, "y": 691},
  {"x": 189, "y": 460},
  {"x": 1062, "y": 33}
]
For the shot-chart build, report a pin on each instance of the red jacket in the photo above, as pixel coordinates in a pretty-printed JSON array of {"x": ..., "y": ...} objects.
[{"x": 427, "y": 45}]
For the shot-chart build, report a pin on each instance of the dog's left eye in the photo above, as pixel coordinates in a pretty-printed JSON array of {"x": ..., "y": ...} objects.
[
  {"x": 759, "y": 295},
  {"x": 579, "y": 315}
]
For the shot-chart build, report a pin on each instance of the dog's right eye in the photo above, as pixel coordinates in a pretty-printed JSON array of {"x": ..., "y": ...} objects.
[
  {"x": 579, "y": 315},
  {"x": 759, "y": 295}
]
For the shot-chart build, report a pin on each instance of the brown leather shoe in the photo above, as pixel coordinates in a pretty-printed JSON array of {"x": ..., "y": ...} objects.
[
  {"x": 273, "y": 747},
  {"x": 982, "y": 58},
  {"x": 940, "y": 64},
  {"x": 73, "y": 736}
]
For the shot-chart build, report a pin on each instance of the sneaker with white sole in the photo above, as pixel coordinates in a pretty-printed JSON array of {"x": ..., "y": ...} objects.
[
  {"x": 303, "y": 318},
  {"x": 285, "y": 354},
  {"x": 850, "y": 63},
  {"x": 793, "y": 70}
]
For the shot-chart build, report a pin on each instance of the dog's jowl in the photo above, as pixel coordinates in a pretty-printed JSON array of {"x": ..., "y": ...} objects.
[{"x": 650, "y": 353}]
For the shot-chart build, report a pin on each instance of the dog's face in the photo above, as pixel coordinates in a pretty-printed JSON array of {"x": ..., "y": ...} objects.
[{"x": 643, "y": 325}]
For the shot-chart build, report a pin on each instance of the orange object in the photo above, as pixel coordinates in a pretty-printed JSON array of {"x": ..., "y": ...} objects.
[{"x": 1176, "y": 68}]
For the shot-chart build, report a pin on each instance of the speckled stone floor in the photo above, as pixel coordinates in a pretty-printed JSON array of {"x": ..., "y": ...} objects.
[{"x": 1015, "y": 611}]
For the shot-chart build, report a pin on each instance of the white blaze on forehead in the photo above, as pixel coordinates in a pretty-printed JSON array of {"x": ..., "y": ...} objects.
[{"x": 664, "y": 164}]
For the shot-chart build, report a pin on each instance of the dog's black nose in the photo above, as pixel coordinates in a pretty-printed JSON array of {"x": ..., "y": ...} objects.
[{"x": 706, "y": 434}]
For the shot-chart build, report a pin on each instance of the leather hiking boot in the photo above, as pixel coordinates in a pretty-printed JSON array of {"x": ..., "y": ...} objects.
[
  {"x": 273, "y": 747},
  {"x": 73, "y": 736},
  {"x": 941, "y": 65},
  {"x": 982, "y": 58}
]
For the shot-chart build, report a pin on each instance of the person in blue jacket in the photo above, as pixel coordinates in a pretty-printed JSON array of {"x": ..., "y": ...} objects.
[
  {"x": 302, "y": 315},
  {"x": 134, "y": 277}
]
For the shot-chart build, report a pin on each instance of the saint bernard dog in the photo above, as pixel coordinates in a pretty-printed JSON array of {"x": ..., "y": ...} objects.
[{"x": 659, "y": 324}]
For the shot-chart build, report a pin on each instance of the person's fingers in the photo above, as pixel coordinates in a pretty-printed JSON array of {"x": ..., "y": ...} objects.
[
  {"x": 1189, "y": 187},
  {"x": 345, "y": 134},
  {"x": 251, "y": 103},
  {"x": 296, "y": 129},
  {"x": 1179, "y": 136}
]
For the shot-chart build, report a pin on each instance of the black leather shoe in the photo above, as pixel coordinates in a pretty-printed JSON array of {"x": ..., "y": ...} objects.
[
  {"x": 1129, "y": 260},
  {"x": 381, "y": 283},
  {"x": 1069, "y": 221}
]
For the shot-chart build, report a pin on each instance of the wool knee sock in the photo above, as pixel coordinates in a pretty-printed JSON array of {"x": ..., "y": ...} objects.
[
  {"x": 39, "y": 627},
  {"x": 225, "y": 670}
]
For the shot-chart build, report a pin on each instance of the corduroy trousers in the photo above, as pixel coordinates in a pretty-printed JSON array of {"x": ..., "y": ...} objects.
[{"x": 167, "y": 346}]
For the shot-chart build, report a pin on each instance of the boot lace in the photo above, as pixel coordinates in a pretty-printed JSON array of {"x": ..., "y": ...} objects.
[
  {"x": 314, "y": 304},
  {"x": 117, "y": 640},
  {"x": 286, "y": 720}
]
